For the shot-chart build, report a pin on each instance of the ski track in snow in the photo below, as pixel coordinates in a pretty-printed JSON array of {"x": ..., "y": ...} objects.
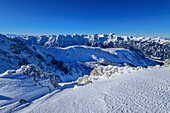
[{"x": 140, "y": 91}]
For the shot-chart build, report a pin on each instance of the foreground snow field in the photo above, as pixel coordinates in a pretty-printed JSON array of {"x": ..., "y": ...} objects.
[{"x": 139, "y": 91}]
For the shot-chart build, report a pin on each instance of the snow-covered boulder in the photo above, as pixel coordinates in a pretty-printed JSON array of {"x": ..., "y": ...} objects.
[
  {"x": 166, "y": 62},
  {"x": 83, "y": 80},
  {"x": 30, "y": 70},
  {"x": 36, "y": 73},
  {"x": 79, "y": 80},
  {"x": 97, "y": 71},
  {"x": 108, "y": 71},
  {"x": 104, "y": 71},
  {"x": 140, "y": 68}
]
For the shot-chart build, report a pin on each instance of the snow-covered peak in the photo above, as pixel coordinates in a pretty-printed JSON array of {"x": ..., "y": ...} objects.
[
  {"x": 75, "y": 38},
  {"x": 161, "y": 40}
]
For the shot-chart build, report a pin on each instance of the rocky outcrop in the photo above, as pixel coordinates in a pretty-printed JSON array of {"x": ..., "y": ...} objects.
[
  {"x": 53, "y": 80},
  {"x": 110, "y": 71},
  {"x": 166, "y": 62},
  {"x": 30, "y": 70},
  {"x": 83, "y": 80},
  {"x": 36, "y": 73},
  {"x": 97, "y": 71},
  {"x": 104, "y": 71}
]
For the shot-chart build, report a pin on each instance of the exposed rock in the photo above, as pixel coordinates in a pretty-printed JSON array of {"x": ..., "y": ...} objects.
[
  {"x": 139, "y": 67},
  {"x": 83, "y": 80},
  {"x": 97, "y": 71},
  {"x": 36, "y": 72},
  {"x": 23, "y": 101},
  {"x": 53, "y": 80},
  {"x": 116, "y": 70},
  {"x": 150, "y": 67},
  {"x": 133, "y": 68},
  {"x": 45, "y": 75},
  {"x": 35, "y": 79},
  {"x": 79, "y": 81},
  {"x": 166, "y": 62},
  {"x": 30, "y": 70},
  {"x": 106, "y": 62},
  {"x": 88, "y": 82}
]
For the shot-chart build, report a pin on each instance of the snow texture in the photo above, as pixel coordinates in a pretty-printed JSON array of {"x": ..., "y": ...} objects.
[{"x": 139, "y": 91}]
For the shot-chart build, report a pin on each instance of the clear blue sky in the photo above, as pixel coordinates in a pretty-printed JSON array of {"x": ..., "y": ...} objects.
[{"x": 122, "y": 17}]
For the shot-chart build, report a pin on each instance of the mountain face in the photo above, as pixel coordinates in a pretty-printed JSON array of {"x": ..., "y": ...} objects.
[
  {"x": 15, "y": 52},
  {"x": 45, "y": 73},
  {"x": 87, "y": 54},
  {"x": 153, "y": 48},
  {"x": 54, "y": 54}
]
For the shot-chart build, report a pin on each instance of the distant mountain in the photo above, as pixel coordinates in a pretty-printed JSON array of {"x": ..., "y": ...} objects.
[
  {"x": 66, "y": 63},
  {"x": 153, "y": 48}
]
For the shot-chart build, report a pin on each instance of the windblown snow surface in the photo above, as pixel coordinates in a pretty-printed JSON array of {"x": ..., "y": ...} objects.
[{"x": 138, "y": 91}]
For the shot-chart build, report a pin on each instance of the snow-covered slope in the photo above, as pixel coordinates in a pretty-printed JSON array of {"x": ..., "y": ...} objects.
[
  {"x": 15, "y": 86},
  {"x": 90, "y": 54},
  {"x": 19, "y": 84},
  {"x": 139, "y": 91},
  {"x": 15, "y": 52}
]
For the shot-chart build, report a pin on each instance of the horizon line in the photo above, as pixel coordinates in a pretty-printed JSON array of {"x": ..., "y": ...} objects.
[{"x": 38, "y": 34}]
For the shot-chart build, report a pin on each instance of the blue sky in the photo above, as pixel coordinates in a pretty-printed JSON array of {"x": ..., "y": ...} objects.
[{"x": 122, "y": 17}]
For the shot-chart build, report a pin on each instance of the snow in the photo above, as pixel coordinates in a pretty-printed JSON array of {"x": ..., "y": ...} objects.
[
  {"x": 148, "y": 46},
  {"x": 91, "y": 78},
  {"x": 69, "y": 40},
  {"x": 14, "y": 85},
  {"x": 89, "y": 54},
  {"x": 139, "y": 91},
  {"x": 17, "y": 87},
  {"x": 15, "y": 52}
]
